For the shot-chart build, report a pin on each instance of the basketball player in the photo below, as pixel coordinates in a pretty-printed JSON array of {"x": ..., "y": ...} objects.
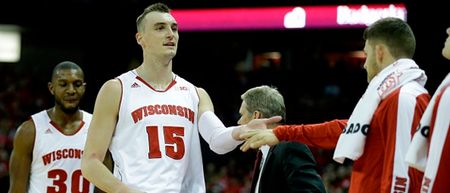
[
  {"x": 149, "y": 119},
  {"x": 429, "y": 150},
  {"x": 48, "y": 147},
  {"x": 378, "y": 133}
]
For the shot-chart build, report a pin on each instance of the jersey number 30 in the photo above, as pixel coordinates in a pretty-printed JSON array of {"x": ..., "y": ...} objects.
[
  {"x": 173, "y": 142},
  {"x": 60, "y": 177}
]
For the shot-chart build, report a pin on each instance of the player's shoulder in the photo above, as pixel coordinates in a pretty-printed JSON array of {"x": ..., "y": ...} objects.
[
  {"x": 408, "y": 93},
  {"x": 413, "y": 89},
  {"x": 112, "y": 85},
  {"x": 446, "y": 89},
  {"x": 445, "y": 96},
  {"x": 27, "y": 128},
  {"x": 113, "y": 81},
  {"x": 201, "y": 90},
  {"x": 202, "y": 93}
]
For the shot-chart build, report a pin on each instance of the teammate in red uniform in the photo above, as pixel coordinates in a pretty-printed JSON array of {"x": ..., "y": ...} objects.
[
  {"x": 377, "y": 134},
  {"x": 48, "y": 147},
  {"x": 430, "y": 146}
]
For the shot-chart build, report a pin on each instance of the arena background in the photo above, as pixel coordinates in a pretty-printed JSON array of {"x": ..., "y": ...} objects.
[{"x": 311, "y": 68}]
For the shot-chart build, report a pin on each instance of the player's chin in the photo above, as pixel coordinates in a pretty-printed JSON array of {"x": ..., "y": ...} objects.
[
  {"x": 172, "y": 49},
  {"x": 70, "y": 109},
  {"x": 71, "y": 106},
  {"x": 172, "y": 52}
]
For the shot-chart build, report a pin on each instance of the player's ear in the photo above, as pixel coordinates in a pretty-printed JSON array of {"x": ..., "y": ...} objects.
[
  {"x": 380, "y": 52},
  {"x": 139, "y": 38},
  {"x": 50, "y": 88}
]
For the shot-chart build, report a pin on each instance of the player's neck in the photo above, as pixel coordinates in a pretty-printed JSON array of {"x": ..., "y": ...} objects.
[
  {"x": 62, "y": 118},
  {"x": 159, "y": 77},
  {"x": 156, "y": 67},
  {"x": 58, "y": 113}
]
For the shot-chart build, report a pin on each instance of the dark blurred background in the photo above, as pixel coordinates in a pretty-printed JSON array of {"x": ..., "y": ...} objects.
[{"x": 312, "y": 68}]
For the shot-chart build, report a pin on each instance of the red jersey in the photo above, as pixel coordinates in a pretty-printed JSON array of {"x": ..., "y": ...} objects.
[
  {"x": 386, "y": 143},
  {"x": 437, "y": 180}
]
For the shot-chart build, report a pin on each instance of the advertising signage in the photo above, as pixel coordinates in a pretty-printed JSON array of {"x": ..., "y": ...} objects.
[{"x": 294, "y": 17}]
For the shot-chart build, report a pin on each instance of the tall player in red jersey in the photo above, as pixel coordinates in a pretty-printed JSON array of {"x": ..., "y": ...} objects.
[
  {"x": 377, "y": 134},
  {"x": 150, "y": 119},
  {"x": 48, "y": 147},
  {"x": 429, "y": 150}
]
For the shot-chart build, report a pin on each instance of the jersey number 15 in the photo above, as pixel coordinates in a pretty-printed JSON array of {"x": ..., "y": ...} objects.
[{"x": 173, "y": 142}]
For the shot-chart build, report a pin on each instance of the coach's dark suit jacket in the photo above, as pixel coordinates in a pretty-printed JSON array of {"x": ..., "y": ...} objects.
[{"x": 290, "y": 167}]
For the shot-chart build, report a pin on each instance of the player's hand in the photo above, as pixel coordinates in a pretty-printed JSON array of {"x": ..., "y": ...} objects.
[
  {"x": 255, "y": 124},
  {"x": 257, "y": 138},
  {"x": 263, "y": 123}
]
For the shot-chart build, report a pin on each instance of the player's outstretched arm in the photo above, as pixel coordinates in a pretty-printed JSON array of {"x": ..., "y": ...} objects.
[{"x": 223, "y": 139}]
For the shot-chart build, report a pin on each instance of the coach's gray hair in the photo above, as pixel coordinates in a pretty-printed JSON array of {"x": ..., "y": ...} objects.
[{"x": 265, "y": 99}]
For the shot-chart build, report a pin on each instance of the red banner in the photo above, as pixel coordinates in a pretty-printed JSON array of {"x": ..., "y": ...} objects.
[{"x": 337, "y": 16}]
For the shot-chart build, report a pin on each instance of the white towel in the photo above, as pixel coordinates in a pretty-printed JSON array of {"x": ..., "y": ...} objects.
[
  {"x": 418, "y": 150},
  {"x": 352, "y": 140}
]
